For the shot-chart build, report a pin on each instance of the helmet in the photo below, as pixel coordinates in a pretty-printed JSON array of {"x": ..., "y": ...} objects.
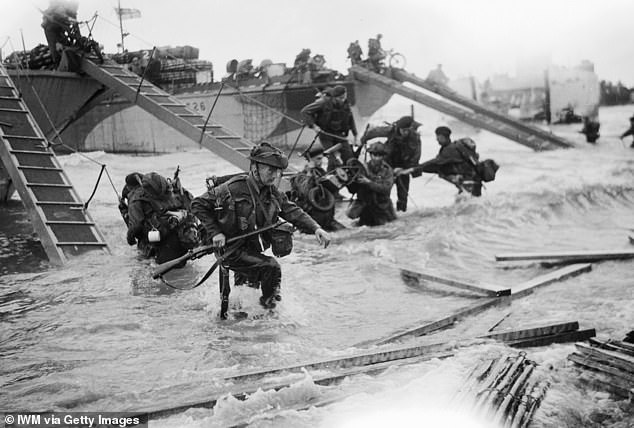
[
  {"x": 338, "y": 90},
  {"x": 443, "y": 130},
  {"x": 267, "y": 154},
  {"x": 377, "y": 147},
  {"x": 407, "y": 122},
  {"x": 156, "y": 184},
  {"x": 134, "y": 179}
]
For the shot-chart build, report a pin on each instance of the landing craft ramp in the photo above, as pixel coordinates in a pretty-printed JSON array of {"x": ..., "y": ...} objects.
[
  {"x": 57, "y": 213},
  {"x": 218, "y": 139},
  {"x": 462, "y": 108}
]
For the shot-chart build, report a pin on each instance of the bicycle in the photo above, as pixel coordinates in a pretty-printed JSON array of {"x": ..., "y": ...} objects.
[{"x": 395, "y": 59}]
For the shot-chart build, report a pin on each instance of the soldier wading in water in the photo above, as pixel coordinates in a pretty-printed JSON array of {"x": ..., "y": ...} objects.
[{"x": 249, "y": 202}]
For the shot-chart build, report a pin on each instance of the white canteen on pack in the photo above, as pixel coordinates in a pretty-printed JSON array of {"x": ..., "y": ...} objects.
[{"x": 154, "y": 236}]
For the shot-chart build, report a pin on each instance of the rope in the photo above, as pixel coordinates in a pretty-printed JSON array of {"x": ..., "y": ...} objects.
[
  {"x": 296, "y": 141},
  {"x": 94, "y": 190}
]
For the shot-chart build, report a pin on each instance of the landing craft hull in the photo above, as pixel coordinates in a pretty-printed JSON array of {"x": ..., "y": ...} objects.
[{"x": 89, "y": 117}]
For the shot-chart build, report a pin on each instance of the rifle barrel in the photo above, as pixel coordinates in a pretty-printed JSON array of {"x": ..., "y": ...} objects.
[{"x": 204, "y": 250}]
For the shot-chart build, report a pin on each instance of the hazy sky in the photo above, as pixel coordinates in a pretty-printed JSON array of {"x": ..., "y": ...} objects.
[{"x": 478, "y": 37}]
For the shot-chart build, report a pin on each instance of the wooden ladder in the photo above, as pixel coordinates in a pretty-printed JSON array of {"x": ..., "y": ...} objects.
[
  {"x": 57, "y": 213},
  {"x": 218, "y": 139}
]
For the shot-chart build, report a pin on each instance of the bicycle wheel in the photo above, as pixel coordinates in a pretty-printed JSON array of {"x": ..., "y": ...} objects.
[{"x": 397, "y": 60}]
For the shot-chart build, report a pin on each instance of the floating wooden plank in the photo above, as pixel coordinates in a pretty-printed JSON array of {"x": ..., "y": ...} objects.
[
  {"x": 571, "y": 256},
  {"x": 542, "y": 280},
  {"x": 612, "y": 383},
  {"x": 600, "y": 365},
  {"x": 447, "y": 321},
  {"x": 613, "y": 346},
  {"x": 532, "y": 332},
  {"x": 568, "y": 336},
  {"x": 242, "y": 391},
  {"x": 518, "y": 291},
  {"x": 487, "y": 289},
  {"x": 616, "y": 359},
  {"x": 355, "y": 360},
  {"x": 626, "y": 345}
]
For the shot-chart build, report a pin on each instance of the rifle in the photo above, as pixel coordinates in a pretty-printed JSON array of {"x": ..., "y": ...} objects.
[
  {"x": 358, "y": 151},
  {"x": 176, "y": 182},
  {"x": 199, "y": 252}
]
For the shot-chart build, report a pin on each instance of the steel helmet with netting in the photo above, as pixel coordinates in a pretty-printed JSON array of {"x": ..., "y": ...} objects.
[{"x": 266, "y": 154}]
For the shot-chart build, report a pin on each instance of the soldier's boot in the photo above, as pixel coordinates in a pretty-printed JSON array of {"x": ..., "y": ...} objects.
[
  {"x": 277, "y": 293},
  {"x": 267, "y": 302},
  {"x": 270, "y": 286},
  {"x": 401, "y": 206}
]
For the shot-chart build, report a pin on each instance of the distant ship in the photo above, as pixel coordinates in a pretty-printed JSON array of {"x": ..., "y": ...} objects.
[{"x": 553, "y": 94}]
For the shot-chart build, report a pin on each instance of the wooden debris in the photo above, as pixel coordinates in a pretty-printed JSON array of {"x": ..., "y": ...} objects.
[
  {"x": 484, "y": 304},
  {"x": 355, "y": 360},
  {"x": 610, "y": 363},
  {"x": 501, "y": 391},
  {"x": 569, "y": 336},
  {"x": 615, "y": 359},
  {"x": 574, "y": 256},
  {"x": 486, "y": 289},
  {"x": 533, "y": 332},
  {"x": 614, "y": 345},
  {"x": 243, "y": 390},
  {"x": 447, "y": 321},
  {"x": 542, "y": 280},
  {"x": 494, "y": 326}
]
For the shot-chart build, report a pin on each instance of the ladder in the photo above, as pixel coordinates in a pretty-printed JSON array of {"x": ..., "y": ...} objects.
[
  {"x": 463, "y": 109},
  {"x": 57, "y": 213},
  {"x": 215, "y": 137}
]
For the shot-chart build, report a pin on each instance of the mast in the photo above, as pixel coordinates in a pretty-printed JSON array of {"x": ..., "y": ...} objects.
[{"x": 121, "y": 26}]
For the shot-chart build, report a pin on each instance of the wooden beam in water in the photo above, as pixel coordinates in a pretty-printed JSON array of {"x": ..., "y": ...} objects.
[
  {"x": 616, "y": 359},
  {"x": 600, "y": 365},
  {"x": 532, "y": 332},
  {"x": 604, "y": 375},
  {"x": 244, "y": 390},
  {"x": 482, "y": 305},
  {"x": 527, "y": 287},
  {"x": 568, "y": 336},
  {"x": 447, "y": 321},
  {"x": 571, "y": 256},
  {"x": 486, "y": 289},
  {"x": 613, "y": 345},
  {"x": 355, "y": 360}
]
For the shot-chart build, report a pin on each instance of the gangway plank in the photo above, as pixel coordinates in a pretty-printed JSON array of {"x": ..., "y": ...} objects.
[
  {"x": 26, "y": 158},
  {"x": 216, "y": 138},
  {"x": 450, "y": 94},
  {"x": 483, "y": 118}
]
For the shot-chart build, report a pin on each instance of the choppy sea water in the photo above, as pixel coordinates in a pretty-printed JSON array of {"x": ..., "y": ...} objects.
[{"x": 99, "y": 334}]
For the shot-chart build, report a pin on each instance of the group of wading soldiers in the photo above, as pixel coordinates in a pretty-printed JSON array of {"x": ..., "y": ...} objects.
[{"x": 165, "y": 221}]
